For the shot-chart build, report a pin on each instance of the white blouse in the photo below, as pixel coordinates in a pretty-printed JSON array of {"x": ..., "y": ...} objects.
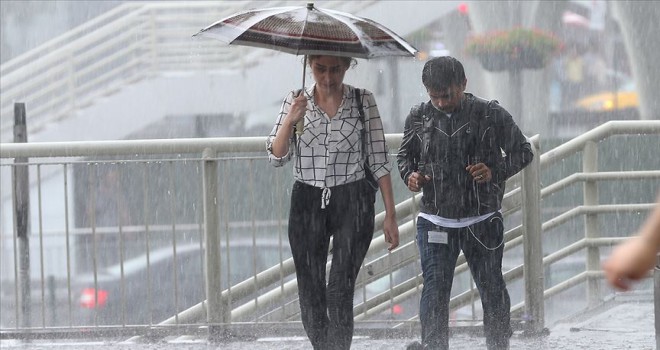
[{"x": 329, "y": 152}]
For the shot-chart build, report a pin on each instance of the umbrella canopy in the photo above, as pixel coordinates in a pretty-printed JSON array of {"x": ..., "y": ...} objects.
[{"x": 307, "y": 30}]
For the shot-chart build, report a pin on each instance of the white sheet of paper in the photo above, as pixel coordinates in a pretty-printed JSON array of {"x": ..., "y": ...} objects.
[{"x": 438, "y": 237}]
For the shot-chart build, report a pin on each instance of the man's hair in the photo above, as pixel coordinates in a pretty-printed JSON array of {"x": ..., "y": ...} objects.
[{"x": 440, "y": 73}]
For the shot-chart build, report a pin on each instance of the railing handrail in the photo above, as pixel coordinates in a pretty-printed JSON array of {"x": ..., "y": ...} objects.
[
  {"x": 64, "y": 55},
  {"x": 257, "y": 144},
  {"x": 150, "y": 146},
  {"x": 64, "y": 40},
  {"x": 128, "y": 147},
  {"x": 24, "y": 60},
  {"x": 598, "y": 134}
]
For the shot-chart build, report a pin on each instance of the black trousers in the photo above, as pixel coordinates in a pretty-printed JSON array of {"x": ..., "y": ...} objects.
[{"x": 327, "y": 310}]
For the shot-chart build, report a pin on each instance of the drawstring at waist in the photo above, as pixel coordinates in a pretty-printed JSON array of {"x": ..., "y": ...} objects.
[{"x": 325, "y": 197}]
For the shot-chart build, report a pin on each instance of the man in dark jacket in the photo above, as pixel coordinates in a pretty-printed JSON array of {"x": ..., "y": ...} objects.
[{"x": 459, "y": 150}]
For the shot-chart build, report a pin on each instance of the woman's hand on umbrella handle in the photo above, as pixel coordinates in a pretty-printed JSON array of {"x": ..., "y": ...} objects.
[{"x": 298, "y": 109}]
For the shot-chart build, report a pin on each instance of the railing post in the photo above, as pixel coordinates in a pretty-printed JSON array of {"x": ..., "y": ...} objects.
[
  {"x": 590, "y": 198},
  {"x": 21, "y": 183},
  {"x": 216, "y": 315},
  {"x": 533, "y": 247}
]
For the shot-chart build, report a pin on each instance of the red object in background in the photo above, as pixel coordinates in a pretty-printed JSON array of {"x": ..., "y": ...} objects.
[
  {"x": 88, "y": 298},
  {"x": 463, "y": 8},
  {"x": 397, "y": 309}
]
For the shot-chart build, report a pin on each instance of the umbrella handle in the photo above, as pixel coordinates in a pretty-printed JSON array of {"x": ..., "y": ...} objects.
[{"x": 300, "y": 126}]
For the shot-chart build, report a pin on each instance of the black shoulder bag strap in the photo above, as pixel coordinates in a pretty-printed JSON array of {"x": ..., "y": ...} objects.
[
  {"x": 371, "y": 179},
  {"x": 358, "y": 99},
  {"x": 482, "y": 119},
  {"x": 296, "y": 144}
]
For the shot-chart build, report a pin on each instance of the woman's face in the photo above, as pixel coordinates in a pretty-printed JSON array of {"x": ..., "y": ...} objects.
[{"x": 328, "y": 72}]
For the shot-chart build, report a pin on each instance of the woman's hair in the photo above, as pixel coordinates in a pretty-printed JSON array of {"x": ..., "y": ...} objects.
[{"x": 347, "y": 61}]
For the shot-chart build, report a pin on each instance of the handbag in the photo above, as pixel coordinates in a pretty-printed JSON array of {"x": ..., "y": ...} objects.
[{"x": 368, "y": 175}]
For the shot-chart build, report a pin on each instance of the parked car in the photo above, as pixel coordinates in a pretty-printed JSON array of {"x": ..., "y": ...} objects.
[
  {"x": 624, "y": 98},
  {"x": 151, "y": 293}
]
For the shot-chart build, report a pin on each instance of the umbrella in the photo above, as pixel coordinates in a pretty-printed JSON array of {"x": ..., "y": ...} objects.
[{"x": 308, "y": 30}]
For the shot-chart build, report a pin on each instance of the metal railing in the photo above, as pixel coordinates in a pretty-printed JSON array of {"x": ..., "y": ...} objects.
[{"x": 227, "y": 196}]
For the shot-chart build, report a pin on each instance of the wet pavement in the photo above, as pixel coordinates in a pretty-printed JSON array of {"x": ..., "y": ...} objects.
[{"x": 620, "y": 325}]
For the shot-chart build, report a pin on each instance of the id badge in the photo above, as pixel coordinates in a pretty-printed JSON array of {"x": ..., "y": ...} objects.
[{"x": 438, "y": 237}]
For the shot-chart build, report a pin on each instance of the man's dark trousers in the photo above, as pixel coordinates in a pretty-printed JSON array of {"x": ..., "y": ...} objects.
[{"x": 482, "y": 246}]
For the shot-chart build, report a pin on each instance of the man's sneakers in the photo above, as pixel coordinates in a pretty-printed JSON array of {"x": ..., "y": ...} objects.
[
  {"x": 501, "y": 345},
  {"x": 415, "y": 346}
]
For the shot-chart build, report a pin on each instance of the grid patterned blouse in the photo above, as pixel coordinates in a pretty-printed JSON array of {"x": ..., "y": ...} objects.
[{"x": 329, "y": 152}]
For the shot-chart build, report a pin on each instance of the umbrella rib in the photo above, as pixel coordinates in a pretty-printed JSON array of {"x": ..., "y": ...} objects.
[
  {"x": 355, "y": 29},
  {"x": 395, "y": 36},
  {"x": 247, "y": 24},
  {"x": 301, "y": 35},
  {"x": 359, "y": 32}
]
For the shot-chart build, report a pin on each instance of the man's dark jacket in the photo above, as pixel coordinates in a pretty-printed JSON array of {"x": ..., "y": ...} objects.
[{"x": 442, "y": 147}]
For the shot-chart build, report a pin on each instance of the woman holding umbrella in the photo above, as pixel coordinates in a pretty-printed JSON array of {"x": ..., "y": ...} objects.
[{"x": 331, "y": 196}]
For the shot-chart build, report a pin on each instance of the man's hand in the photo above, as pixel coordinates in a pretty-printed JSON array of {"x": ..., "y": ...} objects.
[
  {"x": 480, "y": 172},
  {"x": 416, "y": 181}
]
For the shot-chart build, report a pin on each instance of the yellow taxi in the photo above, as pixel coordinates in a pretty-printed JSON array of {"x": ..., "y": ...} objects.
[{"x": 606, "y": 101}]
